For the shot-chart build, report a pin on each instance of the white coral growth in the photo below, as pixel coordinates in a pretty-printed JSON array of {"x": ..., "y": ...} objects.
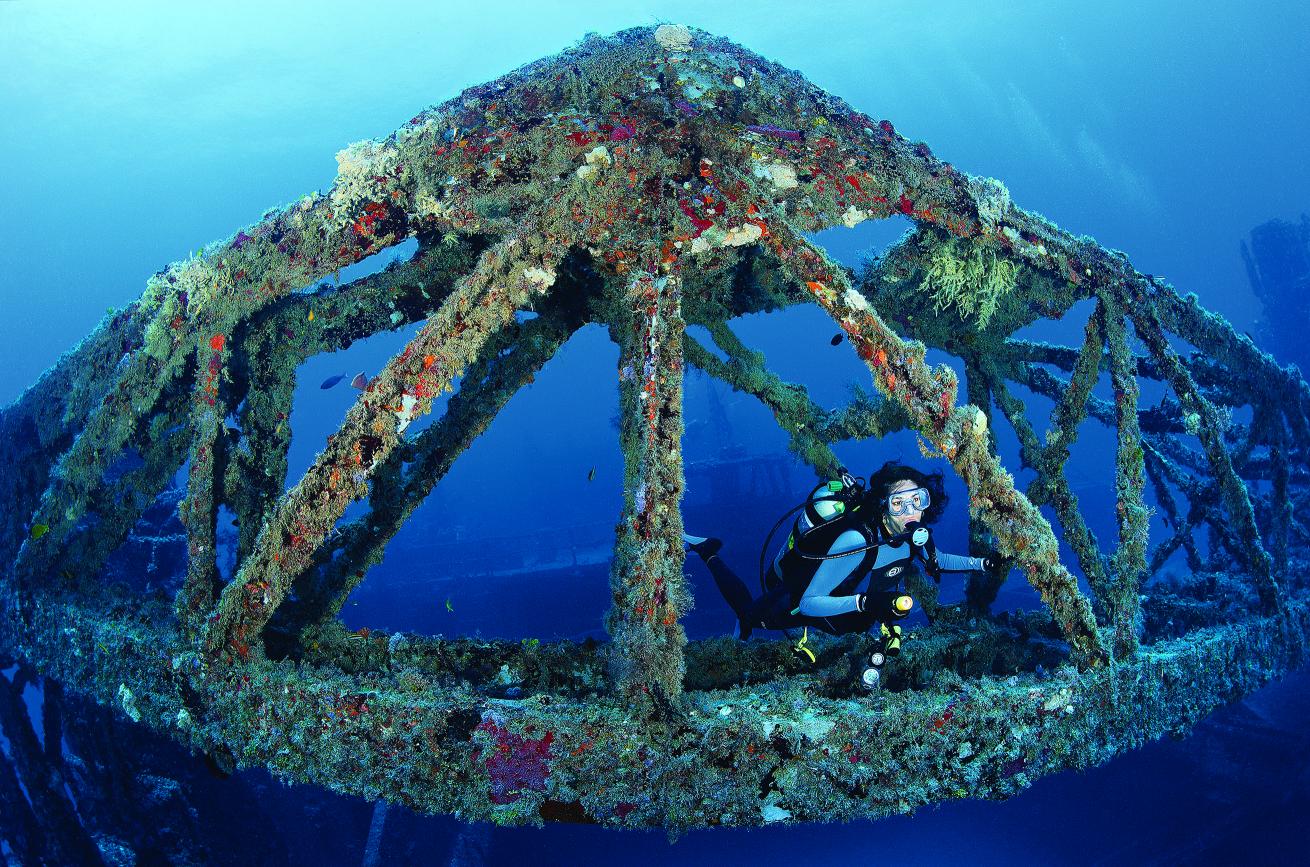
[{"x": 673, "y": 37}]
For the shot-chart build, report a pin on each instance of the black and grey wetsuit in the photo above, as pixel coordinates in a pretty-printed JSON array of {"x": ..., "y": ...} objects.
[
  {"x": 816, "y": 577},
  {"x": 834, "y": 584},
  {"x": 818, "y": 574}
]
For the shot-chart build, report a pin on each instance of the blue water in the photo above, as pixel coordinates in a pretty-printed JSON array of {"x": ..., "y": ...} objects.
[{"x": 133, "y": 133}]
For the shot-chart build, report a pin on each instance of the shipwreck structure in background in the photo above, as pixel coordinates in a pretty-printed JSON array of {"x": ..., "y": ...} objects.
[{"x": 646, "y": 181}]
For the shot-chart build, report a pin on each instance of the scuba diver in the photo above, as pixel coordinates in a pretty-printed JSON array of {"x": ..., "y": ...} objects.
[{"x": 845, "y": 533}]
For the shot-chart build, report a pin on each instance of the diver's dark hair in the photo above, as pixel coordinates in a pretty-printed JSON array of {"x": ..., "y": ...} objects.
[{"x": 882, "y": 482}]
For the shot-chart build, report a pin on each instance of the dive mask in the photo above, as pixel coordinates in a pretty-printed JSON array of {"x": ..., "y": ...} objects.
[{"x": 904, "y": 502}]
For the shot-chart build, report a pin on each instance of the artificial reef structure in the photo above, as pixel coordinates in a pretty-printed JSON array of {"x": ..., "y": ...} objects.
[{"x": 648, "y": 181}]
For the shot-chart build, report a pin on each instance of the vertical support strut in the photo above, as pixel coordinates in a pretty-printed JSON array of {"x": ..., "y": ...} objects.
[
  {"x": 199, "y": 511},
  {"x": 981, "y": 587},
  {"x": 647, "y": 580},
  {"x": 1130, "y": 482}
]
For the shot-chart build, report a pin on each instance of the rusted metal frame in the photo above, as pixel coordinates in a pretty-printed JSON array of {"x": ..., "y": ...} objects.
[
  {"x": 80, "y": 471},
  {"x": 506, "y": 278},
  {"x": 63, "y": 834},
  {"x": 256, "y": 474},
  {"x": 646, "y": 579},
  {"x": 196, "y": 302},
  {"x": 210, "y": 405},
  {"x": 1242, "y": 360},
  {"x": 1213, "y": 377},
  {"x": 1054, "y": 489},
  {"x": 980, "y": 588},
  {"x": 1041, "y": 381},
  {"x": 1051, "y": 486},
  {"x": 485, "y": 389},
  {"x": 899, "y": 371},
  {"x": 1129, "y": 562},
  {"x": 284, "y": 334},
  {"x": 866, "y": 416},
  {"x": 800, "y": 417},
  {"x": 1231, "y": 488},
  {"x": 1200, "y": 499},
  {"x": 187, "y": 304},
  {"x": 1071, "y": 408},
  {"x": 41, "y": 424},
  {"x": 1162, "y": 552},
  {"x": 1069, "y": 411},
  {"x": 1016, "y": 352},
  {"x": 1261, "y": 468},
  {"x": 1172, "y": 449},
  {"x": 1182, "y": 529},
  {"x": 118, "y": 503}
]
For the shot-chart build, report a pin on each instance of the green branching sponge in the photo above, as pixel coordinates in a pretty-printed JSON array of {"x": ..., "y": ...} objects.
[{"x": 970, "y": 278}]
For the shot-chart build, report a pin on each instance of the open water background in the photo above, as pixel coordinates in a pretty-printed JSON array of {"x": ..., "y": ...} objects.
[{"x": 133, "y": 133}]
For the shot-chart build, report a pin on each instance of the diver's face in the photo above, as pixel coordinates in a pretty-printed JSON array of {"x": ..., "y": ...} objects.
[{"x": 898, "y": 523}]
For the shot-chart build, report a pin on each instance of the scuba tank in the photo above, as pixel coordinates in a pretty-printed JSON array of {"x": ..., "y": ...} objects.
[{"x": 826, "y": 503}]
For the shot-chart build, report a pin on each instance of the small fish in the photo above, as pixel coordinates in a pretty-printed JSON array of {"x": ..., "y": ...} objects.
[
  {"x": 449, "y": 607},
  {"x": 360, "y": 381},
  {"x": 39, "y": 530},
  {"x": 591, "y": 476},
  {"x": 332, "y": 380},
  {"x": 311, "y": 316},
  {"x": 836, "y": 338}
]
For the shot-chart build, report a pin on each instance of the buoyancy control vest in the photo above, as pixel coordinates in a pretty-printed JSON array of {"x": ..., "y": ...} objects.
[
  {"x": 832, "y": 509},
  {"x": 829, "y": 512}
]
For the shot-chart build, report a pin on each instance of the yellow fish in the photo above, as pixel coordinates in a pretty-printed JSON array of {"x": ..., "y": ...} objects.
[
  {"x": 39, "y": 530},
  {"x": 449, "y": 607},
  {"x": 311, "y": 316}
]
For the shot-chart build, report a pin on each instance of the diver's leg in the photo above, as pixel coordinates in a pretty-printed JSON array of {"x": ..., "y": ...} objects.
[
  {"x": 705, "y": 546},
  {"x": 734, "y": 590}
]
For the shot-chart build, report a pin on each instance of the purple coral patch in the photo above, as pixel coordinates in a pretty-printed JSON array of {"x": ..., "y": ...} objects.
[{"x": 515, "y": 763}]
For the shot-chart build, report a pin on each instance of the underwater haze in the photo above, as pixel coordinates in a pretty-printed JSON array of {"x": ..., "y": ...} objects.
[{"x": 134, "y": 133}]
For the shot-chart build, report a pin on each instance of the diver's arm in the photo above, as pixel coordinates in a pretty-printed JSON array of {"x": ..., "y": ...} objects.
[
  {"x": 957, "y": 563},
  {"x": 816, "y": 602}
]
